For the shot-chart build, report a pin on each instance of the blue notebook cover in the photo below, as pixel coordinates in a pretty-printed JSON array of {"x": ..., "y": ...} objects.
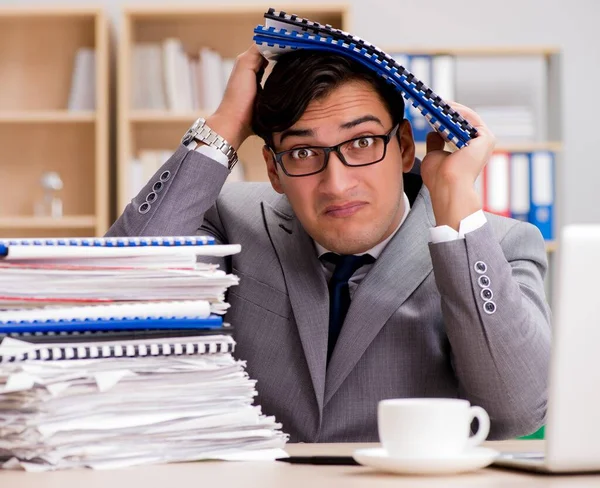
[
  {"x": 111, "y": 324},
  {"x": 541, "y": 213},
  {"x": 177, "y": 241}
]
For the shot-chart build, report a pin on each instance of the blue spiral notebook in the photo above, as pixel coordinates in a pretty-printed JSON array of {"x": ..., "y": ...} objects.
[
  {"x": 111, "y": 324},
  {"x": 17, "y": 351},
  {"x": 99, "y": 247},
  {"x": 284, "y": 32},
  {"x": 78, "y": 336},
  {"x": 160, "y": 315}
]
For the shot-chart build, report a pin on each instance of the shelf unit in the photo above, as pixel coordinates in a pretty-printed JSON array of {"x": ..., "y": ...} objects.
[
  {"x": 37, "y": 131},
  {"x": 551, "y": 58},
  {"x": 226, "y": 29}
]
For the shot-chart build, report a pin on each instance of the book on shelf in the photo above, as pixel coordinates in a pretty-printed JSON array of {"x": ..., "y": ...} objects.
[
  {"x": 119, "y": 355},
  {"x": 509, "y": 124},
  {"x": 82, "y": 93},
  {"x": 509, "y": 92},
  {"x": 166, "y": 77},
  {"x": 436, "y": 71},
  {"x": 520, "y": 185}
]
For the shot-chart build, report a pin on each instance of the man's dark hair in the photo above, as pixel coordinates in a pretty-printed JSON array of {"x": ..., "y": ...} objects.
[{"x": 302, "y": 76}]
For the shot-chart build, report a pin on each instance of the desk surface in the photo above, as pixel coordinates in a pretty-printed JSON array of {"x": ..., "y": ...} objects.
[{"x": 276, "y": 475}]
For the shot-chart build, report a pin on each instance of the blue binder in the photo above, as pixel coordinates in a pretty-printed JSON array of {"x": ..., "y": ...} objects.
[{"x": 541, "y": 212}]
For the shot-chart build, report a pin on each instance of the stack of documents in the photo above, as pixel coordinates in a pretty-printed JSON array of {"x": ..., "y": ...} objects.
[
  {"x": 118, "y": 380},
  {"x": 50, "y": 271},
  {"x": 139, "y": 407}
]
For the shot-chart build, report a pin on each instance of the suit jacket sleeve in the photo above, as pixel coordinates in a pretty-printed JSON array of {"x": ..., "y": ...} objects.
[
  {"x": 500, "y": 356},
  {"x": 185, "y": 204}
]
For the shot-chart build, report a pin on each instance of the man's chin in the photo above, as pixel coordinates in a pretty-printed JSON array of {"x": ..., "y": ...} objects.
[{"x": 348, "y": 243}]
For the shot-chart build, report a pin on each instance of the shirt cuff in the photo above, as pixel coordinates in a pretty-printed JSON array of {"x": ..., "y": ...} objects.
[
  {"x": 445, "y": 233},
  {"x": 212, "y": 153}
]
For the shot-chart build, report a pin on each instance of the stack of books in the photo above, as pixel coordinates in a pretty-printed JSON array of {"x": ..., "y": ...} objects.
[
  {"x": 114, "y": 353},
  {"x": 166, "y": 77}
]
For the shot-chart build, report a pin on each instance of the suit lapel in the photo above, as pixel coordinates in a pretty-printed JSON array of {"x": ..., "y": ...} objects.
[
  {"x": 306, "y": 286},
  {"x": 402, "y": 266}
]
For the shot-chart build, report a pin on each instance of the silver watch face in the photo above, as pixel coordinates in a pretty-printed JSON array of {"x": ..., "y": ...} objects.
[{"x": 191, "y": 132}]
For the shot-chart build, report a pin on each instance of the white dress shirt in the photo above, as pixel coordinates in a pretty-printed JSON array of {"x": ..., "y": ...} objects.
[{"x": 441, "y": 233}]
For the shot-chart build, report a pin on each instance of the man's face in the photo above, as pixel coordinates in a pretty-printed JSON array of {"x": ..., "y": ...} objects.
[{"x": 346, "y": 209}]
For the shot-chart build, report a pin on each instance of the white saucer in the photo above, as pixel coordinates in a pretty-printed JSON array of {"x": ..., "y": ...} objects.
[{"x": 378, "y": 458}]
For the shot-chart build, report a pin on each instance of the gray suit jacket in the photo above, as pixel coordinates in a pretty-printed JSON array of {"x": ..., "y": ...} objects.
[{"x": 416, "y": 327}]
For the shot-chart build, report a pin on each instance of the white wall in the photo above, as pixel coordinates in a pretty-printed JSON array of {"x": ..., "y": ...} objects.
[{"x": 572, "y": 26}]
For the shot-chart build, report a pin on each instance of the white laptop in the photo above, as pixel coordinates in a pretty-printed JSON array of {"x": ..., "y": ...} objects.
[{"x": 573, "y": 422}]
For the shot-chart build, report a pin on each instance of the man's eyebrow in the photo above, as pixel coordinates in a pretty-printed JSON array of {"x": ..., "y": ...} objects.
[
  {"x": 360, "y": 120},
  {"x": 296, "y": 132},
  {"x": 347, "y": 125}
]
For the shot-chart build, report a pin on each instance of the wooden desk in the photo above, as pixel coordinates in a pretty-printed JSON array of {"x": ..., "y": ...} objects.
[{"x": 281, "y": 475}]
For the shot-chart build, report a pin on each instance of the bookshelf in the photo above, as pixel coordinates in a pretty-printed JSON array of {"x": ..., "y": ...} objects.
[
  {"x": 226, "y": 29},
  {"x": 547, "y": 136},
  {"x": 38, "y": 131}
]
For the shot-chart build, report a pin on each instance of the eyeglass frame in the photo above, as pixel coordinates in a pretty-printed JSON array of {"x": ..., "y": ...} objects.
[{"x": 336, "y": 149}]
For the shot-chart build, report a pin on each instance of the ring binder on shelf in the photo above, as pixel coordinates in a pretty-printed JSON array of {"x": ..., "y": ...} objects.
[{"x": 283, "y": 32}]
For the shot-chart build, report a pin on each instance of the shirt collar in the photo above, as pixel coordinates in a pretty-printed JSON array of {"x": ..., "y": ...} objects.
[{"x": 377, "y": 249}]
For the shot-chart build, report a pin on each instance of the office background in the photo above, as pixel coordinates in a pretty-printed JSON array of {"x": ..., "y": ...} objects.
[{"x": 569, "y": 26}]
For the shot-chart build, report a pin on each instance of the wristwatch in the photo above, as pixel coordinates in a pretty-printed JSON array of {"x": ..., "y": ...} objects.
[{"x": 200, "y": 132}]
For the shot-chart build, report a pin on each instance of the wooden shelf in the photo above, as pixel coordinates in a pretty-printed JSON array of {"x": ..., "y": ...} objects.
[
  {"x": 38, "y": 50},
  {"x": 226, "y": 29},
  {"x": 39, "y": 11},
  {"x": 509, "y": 51},
  {"x": 46, "y": 116},
  {"x": 553, "y": 146},
  {"x": 72, "y": 222}
]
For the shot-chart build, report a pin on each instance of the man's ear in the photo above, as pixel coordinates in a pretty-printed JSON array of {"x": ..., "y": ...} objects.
[
  {"x": 272, "y": 169},
  {"x": 407, "y": 145}
]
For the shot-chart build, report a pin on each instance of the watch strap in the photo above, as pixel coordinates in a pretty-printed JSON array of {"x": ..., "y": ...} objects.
[{"x": 200, "y": 132}]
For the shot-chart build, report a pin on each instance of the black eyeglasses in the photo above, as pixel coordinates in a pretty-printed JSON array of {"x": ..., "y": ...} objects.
[{"x": 360, "y": 151}]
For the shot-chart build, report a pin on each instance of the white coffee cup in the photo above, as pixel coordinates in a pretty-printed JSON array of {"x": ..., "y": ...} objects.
[{"x": 429, "y": 427}]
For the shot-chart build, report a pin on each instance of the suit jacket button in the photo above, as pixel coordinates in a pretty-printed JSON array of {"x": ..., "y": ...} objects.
[
  {"x": 151, "y": 197},
  {"x": 484, "y": 281},
  {"x": 158, "y": 186},
  {"x": 487, "y": 294},
  {"x": 489, "y": 307},
  {"x": 480, "y": 267},
  {"x": 165, "y": 176},
  {"x": 144, "y": 208}
]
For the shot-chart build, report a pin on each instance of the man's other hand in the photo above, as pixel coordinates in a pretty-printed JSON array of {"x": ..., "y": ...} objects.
[{"x": 450, "y": 177}]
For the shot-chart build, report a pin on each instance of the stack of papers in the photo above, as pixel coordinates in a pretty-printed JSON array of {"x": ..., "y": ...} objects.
[
  {"x": 115, "y": 353},
  {"x": 36, "y": 272},
  {"x": 127, "y": 411}
]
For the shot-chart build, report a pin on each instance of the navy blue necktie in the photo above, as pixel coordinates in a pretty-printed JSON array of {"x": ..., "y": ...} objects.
[{"x": 339, "y": 291}]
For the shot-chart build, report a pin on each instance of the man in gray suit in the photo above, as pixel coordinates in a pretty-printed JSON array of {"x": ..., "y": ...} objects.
[{"x": 448, "y": 302}]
